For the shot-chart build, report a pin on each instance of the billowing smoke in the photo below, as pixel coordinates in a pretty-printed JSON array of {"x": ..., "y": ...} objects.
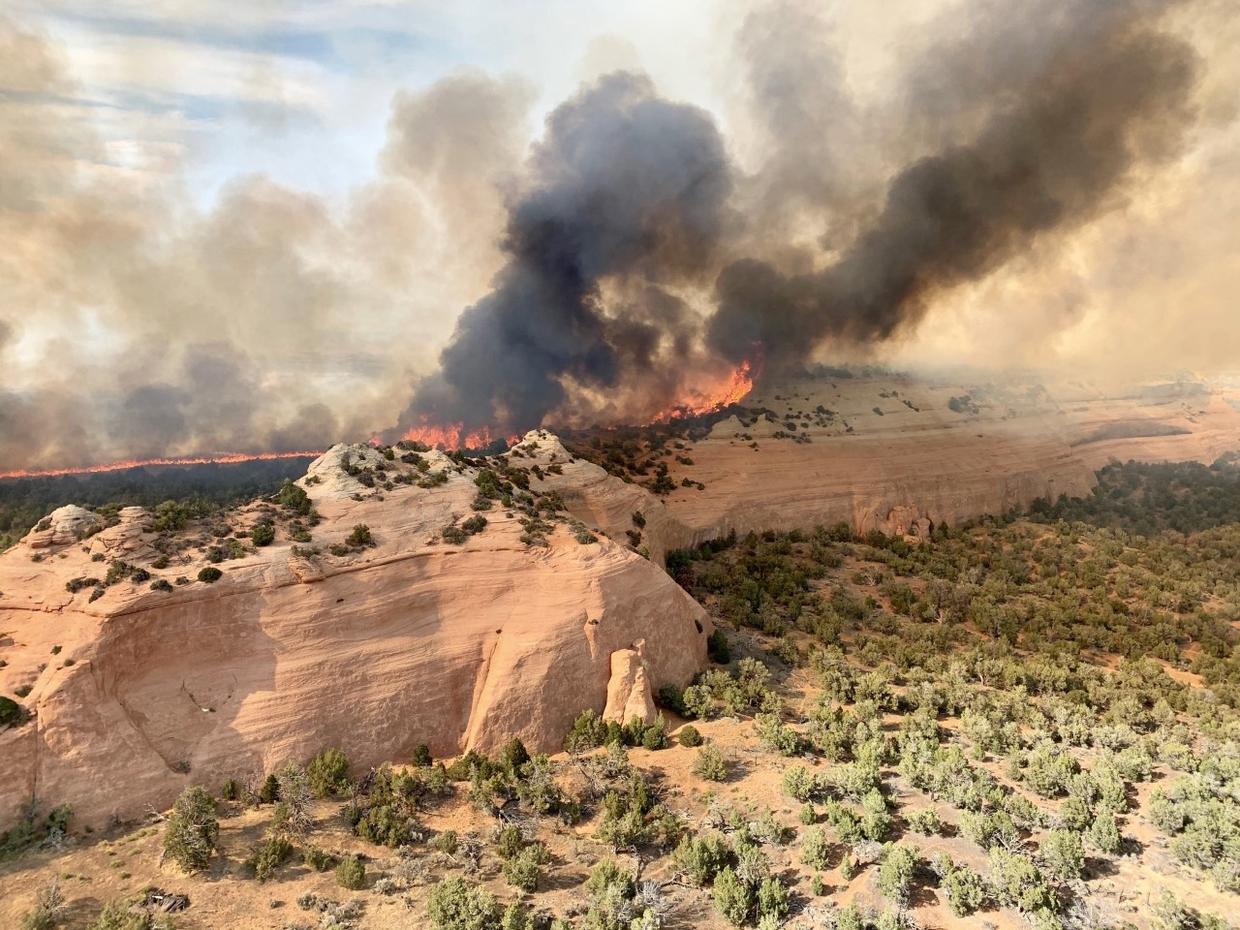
[
  {"x": 636, "y": 250},
  {"x": 624, "y": 186},
  {"x": 1074, "y": 102},
  {"x": 1109, "y": 96},
  {"x": 135, "y": 324}
]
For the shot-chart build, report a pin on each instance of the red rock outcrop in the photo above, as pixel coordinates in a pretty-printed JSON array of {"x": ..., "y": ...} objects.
[{"x": 138, "y": 692}]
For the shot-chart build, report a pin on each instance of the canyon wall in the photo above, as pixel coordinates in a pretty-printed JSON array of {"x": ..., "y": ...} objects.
[{"x": 899, "y": 454}]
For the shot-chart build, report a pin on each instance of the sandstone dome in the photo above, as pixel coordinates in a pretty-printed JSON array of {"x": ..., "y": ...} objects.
[{"x": 136, "y": 688}]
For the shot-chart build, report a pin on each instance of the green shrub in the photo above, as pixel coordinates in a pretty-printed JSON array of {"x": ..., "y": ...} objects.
[
  {"x": 293, "y": 497},
  {"x": 733, "y": 898},
  {"x": 350, "y": 873},
  {"x": 318, "y": 859},
  {"x": 702, "y": 857},
  {"x": 509, "y": 841},
  {"x": 263, "y": 534},
  {"x": 926, "y": 822},
  {"x": 210, "y": 574},
  {"x": 272, "y": 853},
  {"x": 588, "y": 732},
  {"x": 895, "y": 874},
  {"x": 456, "y": 904},
  {"x": 192, "y": 831},
  {"x": 816, "y": 849},
  {"x": 1017, "y": 882},
  {"x": 516, "y": 917},
  {"x": 1063, "y": 857},
  {"x": 512, "y": 756},
  {"x": 524, "y": 869},
  {"x": 11, "y": 713},
  {"x": 328, "y": 773},
  {"x": 360, "y": 536},
  {"x": 1104, "y": 833},
  {"x": 774, "y": 900},
  {"x": 269, "y": 793},
  {"x": 654, "y": 735},
  {"x": 965, "y": 889},
  {"x": 710, "y": 764},
  {"x": 422, "y": 756},
  {"x": 690, "y": 736},
  {"x": 717, "y": 647},
  {"x": 446, "y": 842},
  {"x": 120, "y": 915}
]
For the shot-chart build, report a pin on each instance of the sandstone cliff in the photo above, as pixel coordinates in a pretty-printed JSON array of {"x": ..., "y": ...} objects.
[
  {"x": 900, "y": 454},
  {"x": 138, "y": 692}
]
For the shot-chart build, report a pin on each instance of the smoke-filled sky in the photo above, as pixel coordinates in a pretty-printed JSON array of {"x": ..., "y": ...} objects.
[{"x": 268, "y": 226}]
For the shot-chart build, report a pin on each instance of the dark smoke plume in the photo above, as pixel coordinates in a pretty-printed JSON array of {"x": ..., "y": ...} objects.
[
  {"x": 1110, "y": 96},
  {"x": 879, "y": 166},
  {"x": 625, "y": 185},
  {"x": 1079, "y": 97}
]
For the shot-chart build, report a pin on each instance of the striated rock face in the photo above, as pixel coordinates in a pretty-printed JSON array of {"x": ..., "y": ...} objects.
[
  {"x": 893, "y": 455},
  {"x": 375, "y": 650},
  {"x": 63, "y": 526}
]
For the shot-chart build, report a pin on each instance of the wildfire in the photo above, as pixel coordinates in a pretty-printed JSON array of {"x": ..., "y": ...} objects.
[
  {"x": 219, "y": 458},
  {"x": 730, "y": 390},
  {"x": 450, "y": 436}
]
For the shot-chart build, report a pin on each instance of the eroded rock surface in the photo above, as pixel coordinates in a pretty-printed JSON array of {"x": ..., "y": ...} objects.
[
  {"x": 135, "y": 692},
  {"x": 629, "y": 693}
]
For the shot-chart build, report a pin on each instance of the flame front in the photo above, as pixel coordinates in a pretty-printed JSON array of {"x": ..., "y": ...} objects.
[
  {"x": 219, "y": 458},
  {"x": 730, "y": 390},
  {"x": 450, "y": 436}
]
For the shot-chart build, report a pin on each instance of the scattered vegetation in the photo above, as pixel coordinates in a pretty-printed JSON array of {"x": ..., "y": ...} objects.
[{"x": 996, "y": 719}]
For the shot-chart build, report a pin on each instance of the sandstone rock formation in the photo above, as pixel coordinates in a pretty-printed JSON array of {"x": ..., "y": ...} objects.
[
  {"x": 891, "y": 453},
  {"x": 136, "y": 692},
  {"x": 63, "y": 526},
  {"x": 628, "y": 692}
]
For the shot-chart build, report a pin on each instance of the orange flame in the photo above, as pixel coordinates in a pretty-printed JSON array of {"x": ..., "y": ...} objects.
[
  {"x": 730, "y": 390},
  {"x": 450, "y": 436},
  {"x": 218, "y": 458}
]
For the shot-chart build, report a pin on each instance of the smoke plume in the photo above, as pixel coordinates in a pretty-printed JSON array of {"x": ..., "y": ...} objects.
[
  {"x": 1066, "y": 167},
  {"x": 1109, "y": 98},
  {"x": 625, "y": 185}
]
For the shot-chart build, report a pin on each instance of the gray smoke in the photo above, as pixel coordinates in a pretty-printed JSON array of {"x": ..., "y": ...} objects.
[
  {"x": 625, "y": 185},
  {"x": 1017, "y": 131},
  {"x": 1073, "y": 116},
  {"x": 152, "y": 327},
  {"x": 629, "y": 256}
]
